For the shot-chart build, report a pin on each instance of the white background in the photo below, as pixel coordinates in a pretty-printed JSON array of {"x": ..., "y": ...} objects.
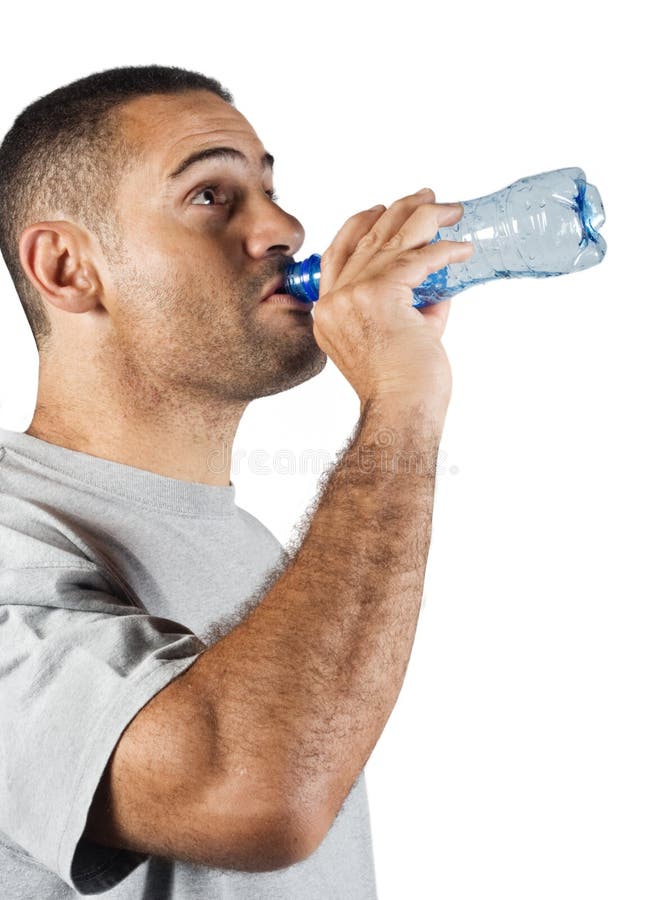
[{"x": 525, "y": 757}]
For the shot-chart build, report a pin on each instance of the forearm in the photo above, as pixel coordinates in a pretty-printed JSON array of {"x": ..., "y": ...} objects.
[{"x": 302, "y": 689}]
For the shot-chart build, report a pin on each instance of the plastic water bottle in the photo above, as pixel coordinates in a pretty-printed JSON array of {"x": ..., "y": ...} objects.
[{"x": 539, "y": 226}]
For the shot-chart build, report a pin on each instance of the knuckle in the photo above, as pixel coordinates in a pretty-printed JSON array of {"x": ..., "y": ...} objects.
[
  {"x": 364, "y": 293},
  {"x": 426, "y": 216},
  {"x": 324, "y": 315},
  {"x": 403, "y": 261},
  {"x": 360, "y": 291},
  {"x": 404, "y": 203},
  {"x": 395, "y": 242},
  {"x": 369, "y": 241}
]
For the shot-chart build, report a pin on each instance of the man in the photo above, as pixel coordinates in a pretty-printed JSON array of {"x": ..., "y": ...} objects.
[{"x": 186, "y": 708}]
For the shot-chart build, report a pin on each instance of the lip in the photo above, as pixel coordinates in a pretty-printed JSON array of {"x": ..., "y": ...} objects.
[
  {"x": 273, "y": 287},
  {"x": 288, "y": 302}
]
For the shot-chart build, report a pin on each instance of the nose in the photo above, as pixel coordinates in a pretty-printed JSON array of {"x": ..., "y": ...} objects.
[{"x": 272, "y": 231}]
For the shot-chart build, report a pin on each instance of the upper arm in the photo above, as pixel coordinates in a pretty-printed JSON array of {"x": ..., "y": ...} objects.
[
  {"x": 164, "y": 792},
  {"x": 77, "y": 660}
]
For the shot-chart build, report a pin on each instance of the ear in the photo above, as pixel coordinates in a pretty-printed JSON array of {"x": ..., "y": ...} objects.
[{"x": 56, "y": 258}]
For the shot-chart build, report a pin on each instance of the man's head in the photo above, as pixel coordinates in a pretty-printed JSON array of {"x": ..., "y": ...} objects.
[{"x": 131, "y": 236}]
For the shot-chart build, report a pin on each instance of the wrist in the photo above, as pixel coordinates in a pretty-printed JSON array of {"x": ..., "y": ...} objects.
[
  {"x": 396, "y": 439},
  {"x": 413, "y": 414}
]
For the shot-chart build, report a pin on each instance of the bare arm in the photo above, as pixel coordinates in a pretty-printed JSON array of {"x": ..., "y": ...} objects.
[
  {"x": 285, "y": 710},
  {"x": 303, "y": 687},
  {"x": 268, "y": 730}
]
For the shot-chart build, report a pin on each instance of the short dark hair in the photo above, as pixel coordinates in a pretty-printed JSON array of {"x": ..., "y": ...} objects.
[{"x": 62, "y": 156}]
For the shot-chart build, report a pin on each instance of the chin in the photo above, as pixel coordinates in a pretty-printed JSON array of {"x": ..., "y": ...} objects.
[{"x": 289, "y": 377}]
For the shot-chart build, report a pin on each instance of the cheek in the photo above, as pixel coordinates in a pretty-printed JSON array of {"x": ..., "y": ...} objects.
[
  {"x": 195, "y": 270},
  {"x": 166, "y": 248},
  {"x": 168, "y": 304},
  {"x": 159, "y": 273},
  {"x": 156, "y": 241}
]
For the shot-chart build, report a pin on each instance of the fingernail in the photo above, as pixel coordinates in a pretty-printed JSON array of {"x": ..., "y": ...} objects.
[
  {"x": 424, "y": 191},
  {"x": 377, "y": 207}
]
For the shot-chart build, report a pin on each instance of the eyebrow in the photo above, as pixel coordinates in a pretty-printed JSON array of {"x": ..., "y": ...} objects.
[{"x": 223, "y": 153}]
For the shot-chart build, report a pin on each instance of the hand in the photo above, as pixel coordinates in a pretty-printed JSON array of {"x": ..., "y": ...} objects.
[{"x": 364, "y": 318}]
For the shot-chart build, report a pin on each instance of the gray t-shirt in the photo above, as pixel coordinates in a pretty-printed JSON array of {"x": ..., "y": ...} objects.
[{"x": 112, "y": 581}]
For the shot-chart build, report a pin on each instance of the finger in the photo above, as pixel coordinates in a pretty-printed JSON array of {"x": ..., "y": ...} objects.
[
  {"x": 422, "y": 225},
  {"x": 390, "y": 221},
  {"x": 417, "y": 230},
  {"x": 412, "y": 267},
  {"x": 421, "y": 209},
  {"x": 344, "y": 243}
]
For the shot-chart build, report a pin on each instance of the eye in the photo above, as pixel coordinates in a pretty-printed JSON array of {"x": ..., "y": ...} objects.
[{"x": 210, "y": 196}]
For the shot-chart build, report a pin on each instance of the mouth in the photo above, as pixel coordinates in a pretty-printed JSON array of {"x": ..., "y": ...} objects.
[
  {"x": 274, "y": 287},
  {"x": 275, "y": 296},
  {"x": 288, "y": 302}
]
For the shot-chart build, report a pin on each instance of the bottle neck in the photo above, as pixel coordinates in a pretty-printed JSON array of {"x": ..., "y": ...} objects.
[{"x": 301, "y": 279}]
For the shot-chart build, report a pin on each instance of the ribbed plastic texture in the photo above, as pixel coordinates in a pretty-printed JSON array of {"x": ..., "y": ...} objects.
[{"x": 540, "y": 226}]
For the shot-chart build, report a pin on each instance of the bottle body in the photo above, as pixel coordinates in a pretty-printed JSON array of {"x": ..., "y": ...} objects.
[{"x": 541, "y": 226}]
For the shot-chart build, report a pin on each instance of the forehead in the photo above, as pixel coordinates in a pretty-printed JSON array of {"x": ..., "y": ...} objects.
[{"x": 164, "y": 129}]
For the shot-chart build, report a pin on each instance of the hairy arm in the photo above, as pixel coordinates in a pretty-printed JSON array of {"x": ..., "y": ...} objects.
[
  {"x": 302, "y": 689},
  {"x": 246, "y": 758}
]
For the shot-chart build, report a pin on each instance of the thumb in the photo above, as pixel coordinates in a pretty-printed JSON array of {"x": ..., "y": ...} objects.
[{"x": 437, "y": 314}]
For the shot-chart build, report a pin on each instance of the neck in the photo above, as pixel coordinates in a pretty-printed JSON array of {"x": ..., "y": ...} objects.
[{"x": 146, "y": 427}]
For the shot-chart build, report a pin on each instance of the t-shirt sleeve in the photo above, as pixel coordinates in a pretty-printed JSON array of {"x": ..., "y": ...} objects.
[{"x": 77, "y": 663}]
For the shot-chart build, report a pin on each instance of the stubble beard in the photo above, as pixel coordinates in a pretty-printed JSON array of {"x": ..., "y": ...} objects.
[
  {"x": 267, "y": 361},
  {"x": 207, "y": 350}
]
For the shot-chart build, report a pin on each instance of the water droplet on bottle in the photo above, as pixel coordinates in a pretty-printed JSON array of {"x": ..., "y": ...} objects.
[
  {"x": 531, "y": 256},
  {"x": 543, "y": 204},
  {"x": 527, "y": 205}
]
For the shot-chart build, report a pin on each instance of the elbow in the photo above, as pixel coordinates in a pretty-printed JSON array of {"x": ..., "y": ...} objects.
[
  {"x": 253, "y": 835},
  {"x": 284, "y": 840}
]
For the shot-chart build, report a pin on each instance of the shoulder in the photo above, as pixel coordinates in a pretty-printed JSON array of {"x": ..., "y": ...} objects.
[
  {"x": 258, "y": 531},
  {"x": 46, "y": 558}
]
